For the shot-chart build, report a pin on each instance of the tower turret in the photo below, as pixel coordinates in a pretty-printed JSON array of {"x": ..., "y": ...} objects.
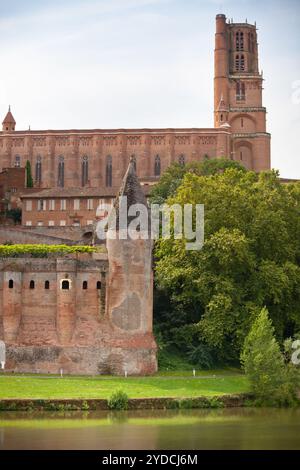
[
  {"x": 129, "y": 302},
  {"x": 238, "y": 93},
  {"x": 9, "y": 123}
]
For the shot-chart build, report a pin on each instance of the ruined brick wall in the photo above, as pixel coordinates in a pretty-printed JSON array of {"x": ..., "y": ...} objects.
[{"x": 47, "y": 328}]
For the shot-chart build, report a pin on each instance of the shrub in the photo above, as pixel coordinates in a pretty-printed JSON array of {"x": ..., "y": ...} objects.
[
  {"x": 118, "y": 400},
  {"x": 272, "y": 381},
  {"x": 41, "y": 251}
]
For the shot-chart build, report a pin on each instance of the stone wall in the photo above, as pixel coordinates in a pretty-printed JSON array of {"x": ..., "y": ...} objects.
[{"x": 47, "y": 328}]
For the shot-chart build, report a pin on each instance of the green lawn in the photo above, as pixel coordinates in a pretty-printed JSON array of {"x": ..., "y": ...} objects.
[{"x": 210, "y": 383}]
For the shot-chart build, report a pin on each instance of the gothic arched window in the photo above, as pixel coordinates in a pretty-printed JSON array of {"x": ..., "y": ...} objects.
[
  {"x": 47, "y": 285},
  {"x": 84, "y": 285},
  {"x": 108, "y": 178},
  {"x": 61, "y": 172},
  {"x": 157, "y": 166},
  {"x": 17, "y": 161},
  {"x": 240, "y": 91},
  {"x": 251, "y": 42},
  {"x": 240, "y": 62},
  {"x": 239, "y": 41},
  {"x": 181, "y": 160},
  {"x": 38, "y": 170},
  {"x": 84, "y": 171},
  {"x": 31, "y": 285}
]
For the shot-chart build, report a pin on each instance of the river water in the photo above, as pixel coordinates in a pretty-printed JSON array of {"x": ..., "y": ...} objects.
[{"x": 240, "y": 428}]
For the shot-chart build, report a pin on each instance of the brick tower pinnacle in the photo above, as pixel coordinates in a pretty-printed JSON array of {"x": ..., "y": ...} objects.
[
  {"x": 9, "y": 123},
  {"x": 238, "y": 93}
]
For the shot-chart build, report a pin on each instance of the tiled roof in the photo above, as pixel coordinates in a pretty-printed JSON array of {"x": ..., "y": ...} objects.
[{"x": 75, "y": 192}]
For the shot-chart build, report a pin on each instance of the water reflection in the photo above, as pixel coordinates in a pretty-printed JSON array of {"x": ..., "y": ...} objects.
[{"x": 230, "y": 428}]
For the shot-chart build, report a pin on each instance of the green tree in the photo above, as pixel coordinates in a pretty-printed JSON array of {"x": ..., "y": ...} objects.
[
  {"x": 272, "y": 381},
  {"x": 250, "y": 259},
  {"x": 262, "y": 359},
  {"x": 29, "y": 179},
  {"x": 172, "y": 178}
]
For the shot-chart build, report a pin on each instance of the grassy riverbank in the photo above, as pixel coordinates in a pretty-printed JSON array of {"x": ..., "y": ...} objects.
[{"x": 178, "y": 385}]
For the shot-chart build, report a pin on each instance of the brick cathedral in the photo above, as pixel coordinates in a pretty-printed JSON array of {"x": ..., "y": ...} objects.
[
  {"x": 80, "y": 166},
  {"x": 92, "y": 313}
]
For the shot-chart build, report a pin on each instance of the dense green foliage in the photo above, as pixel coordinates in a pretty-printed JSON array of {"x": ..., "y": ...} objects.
[
  {"x": 271, "y": 380},
  {"x": 41, "y": 251},
  {"x": 118, "y": 400},
  {"x": 172, "y": 178},
  {"x": 29, "y": 179},
  {"x": 207, "y": 300},
  {"x": 14, "y": 214}
]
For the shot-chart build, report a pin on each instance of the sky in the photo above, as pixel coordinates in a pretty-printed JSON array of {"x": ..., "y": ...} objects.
[{"x": 75, "y": 64}]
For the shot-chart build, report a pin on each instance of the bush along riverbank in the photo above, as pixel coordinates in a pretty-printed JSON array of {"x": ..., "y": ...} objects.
[{"x": 120, "y": 401}]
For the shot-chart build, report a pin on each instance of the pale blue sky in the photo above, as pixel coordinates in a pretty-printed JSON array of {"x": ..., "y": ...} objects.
[{"x": 142, "y": 63}]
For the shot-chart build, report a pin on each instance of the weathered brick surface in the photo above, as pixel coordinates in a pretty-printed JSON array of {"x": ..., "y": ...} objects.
[{"x": 239, "y": 130}]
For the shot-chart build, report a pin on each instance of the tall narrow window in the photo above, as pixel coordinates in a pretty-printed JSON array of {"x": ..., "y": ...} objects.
[
  {"x": 84, "y": 171},
  {"x": 38, "y": 171},
  {"x": 181, "y": 160},
  {"x": 243, "y": 91},
  {"x": 157, "y": 166},
  {"x": 10, "y": 284},
  {"x": 98, "y": 285},
  {"x": 240, "y": 63},
  {"x": 240, "y": 91},
  {"x": 241, "y": 41},
  {"x": 28, "y": 205},
  {"x": 47, "y": 285},
  {"x": 17, "y": 161},
  {"x": 237, "y": 41},
  {"x": 61, "y": 172},
  {"x": 41, "y": 205},
  {"x": 108, "y": 179},
  {"x": 251, "y": 42},
  {"x": 84, "y": 285},
  {"x": 31, "y": 285}
]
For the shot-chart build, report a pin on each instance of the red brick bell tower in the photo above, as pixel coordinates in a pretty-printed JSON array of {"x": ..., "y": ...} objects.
[{"x": 238, "y": 89}]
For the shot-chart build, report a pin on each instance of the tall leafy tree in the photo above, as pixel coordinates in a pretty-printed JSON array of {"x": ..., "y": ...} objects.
[
  {"x": 250, "y": 259},
  {"x": 29, "y": 179}
]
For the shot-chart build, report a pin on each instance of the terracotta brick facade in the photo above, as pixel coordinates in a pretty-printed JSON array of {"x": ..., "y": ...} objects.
[
  {"x": 98, "y": 158},
  {"x": 83, "y": 313},
  {"x": 89, "y": 314}
]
